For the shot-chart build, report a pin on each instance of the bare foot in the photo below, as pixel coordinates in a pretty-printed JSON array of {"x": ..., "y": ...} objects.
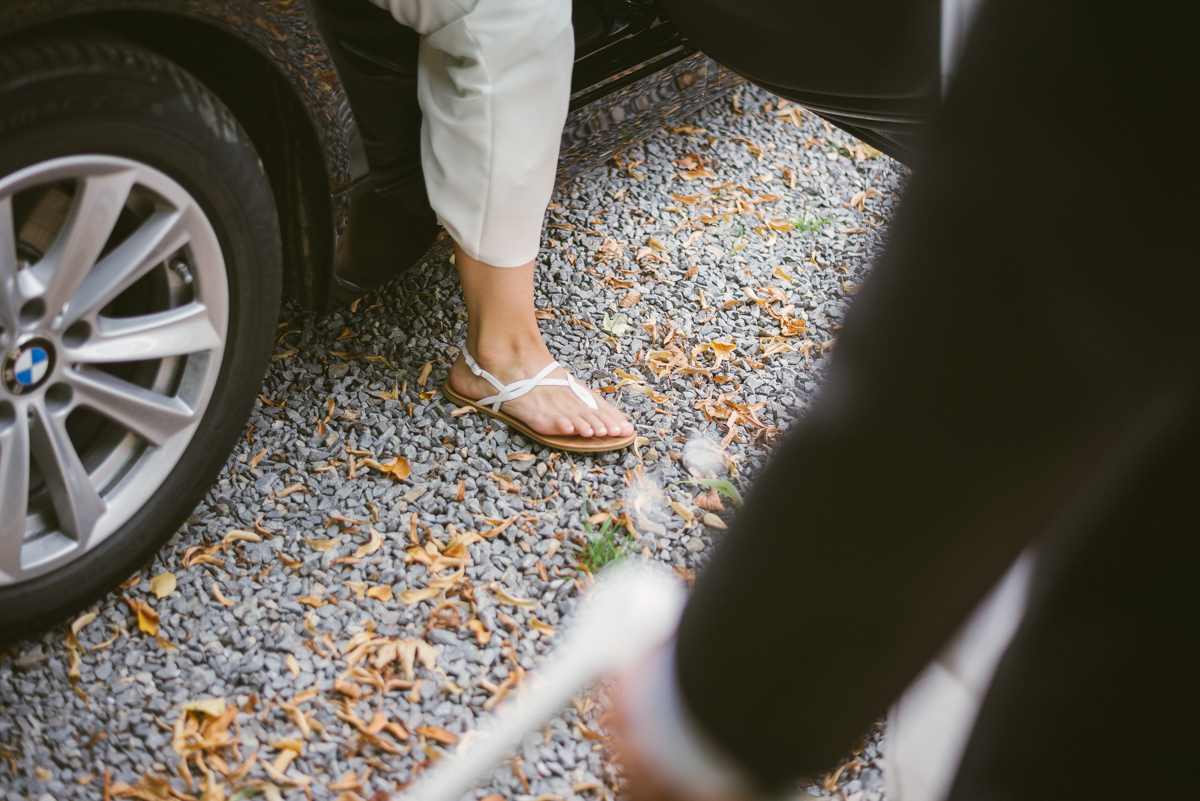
[{"x": 547, "y": 410}]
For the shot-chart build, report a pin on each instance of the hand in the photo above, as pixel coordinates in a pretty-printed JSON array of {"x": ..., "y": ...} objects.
[{"x": 642, "y": 781}]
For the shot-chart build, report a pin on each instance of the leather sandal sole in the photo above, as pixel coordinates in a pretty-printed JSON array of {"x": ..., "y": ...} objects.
[{"x": 574, "y": 444}]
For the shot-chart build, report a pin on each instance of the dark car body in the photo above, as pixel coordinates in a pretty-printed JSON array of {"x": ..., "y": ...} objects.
[{"x": 266, "y": 61}]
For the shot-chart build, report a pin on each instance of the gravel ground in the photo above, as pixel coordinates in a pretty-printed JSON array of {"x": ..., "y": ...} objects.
[{"x": 372, "y": 574}]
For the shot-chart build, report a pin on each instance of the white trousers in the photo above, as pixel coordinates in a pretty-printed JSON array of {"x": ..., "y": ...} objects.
[{"x": 493, "y": 81}]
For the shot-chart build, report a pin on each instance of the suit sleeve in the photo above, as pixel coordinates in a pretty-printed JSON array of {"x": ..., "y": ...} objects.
[{"x": 994, "y": 374}]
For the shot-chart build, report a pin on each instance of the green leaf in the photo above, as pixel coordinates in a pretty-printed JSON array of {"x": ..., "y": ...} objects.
[
  {"x": 721, "y": 485},
  {"x": 616, "y": 325}
]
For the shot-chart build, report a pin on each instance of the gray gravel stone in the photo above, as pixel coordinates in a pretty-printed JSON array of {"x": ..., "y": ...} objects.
[{"x": 270, "y": 646}]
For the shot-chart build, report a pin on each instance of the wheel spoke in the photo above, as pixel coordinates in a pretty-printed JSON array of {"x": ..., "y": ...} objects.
[
  {"x": 14, "y": 493},
  {"x": 153, "y": 417},
  {"x": 175, "y": 332},
  {"x": 75, "y": 500},
  {"x": 160, "y": 236},
  {"x": 97, "y": 206},
  {"x": 9, "y": 297}
]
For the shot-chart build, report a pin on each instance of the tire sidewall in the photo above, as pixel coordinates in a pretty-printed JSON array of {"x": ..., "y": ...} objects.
[{"x": 151, "y": 112}]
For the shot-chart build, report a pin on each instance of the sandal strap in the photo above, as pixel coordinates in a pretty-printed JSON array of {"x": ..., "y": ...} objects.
[{"x": 507, "y": 392}]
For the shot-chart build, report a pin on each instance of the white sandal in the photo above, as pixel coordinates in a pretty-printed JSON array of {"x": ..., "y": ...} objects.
[{"x": 506, "y": 392}]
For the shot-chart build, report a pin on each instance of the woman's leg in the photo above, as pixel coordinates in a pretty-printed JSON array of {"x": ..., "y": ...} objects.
[
  {"x": 503, "y": 336},
  {"x": 494, "y": 83}
]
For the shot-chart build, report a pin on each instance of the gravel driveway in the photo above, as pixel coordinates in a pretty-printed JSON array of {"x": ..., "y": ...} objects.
[{"x": 372, "y": 573}]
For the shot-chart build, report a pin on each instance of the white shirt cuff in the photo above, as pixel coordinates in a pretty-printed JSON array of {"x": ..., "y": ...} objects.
[{"x": 669, "y": 741}]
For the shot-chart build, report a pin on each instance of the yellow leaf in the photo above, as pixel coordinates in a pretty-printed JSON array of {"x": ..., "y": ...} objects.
[
  {"x": 212, "y": 707},
  {"x": 438, "y": 734},
  {"x": 692, "y": 175},
  {"x": 424, "y": 375},
  {"x": 712, "y": 521},
  {"x": 220, "y": 596},
  {"x": 482, "y": 635},
  {"x": 659, "y": 246},
  {"x": 292, "y": 665},
  {"x": 683, "y": 511},
  {"x": 236, "y": 535},
  {"x": 372, "y": 546},
  {"x": 545, "y": 628},
  {"x": 312, "y": 600},
  {"x": 323, "y": 545},
  {"x": 147, "y": 618},
  {"x": 411, "y": 597},
  {"x": 513, "y": 600},
  {"x": 290, "y": 744},
  {"x": 163, "y": 584},
  {"x": 780, "y": 273},
  {"x": 381, "y": 592},
  {"x": 396, "y": 468},
  {"x": 83, "y": 620}
]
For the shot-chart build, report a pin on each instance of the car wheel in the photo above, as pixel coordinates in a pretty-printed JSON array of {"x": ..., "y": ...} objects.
[{"x": 139, "y": 288}]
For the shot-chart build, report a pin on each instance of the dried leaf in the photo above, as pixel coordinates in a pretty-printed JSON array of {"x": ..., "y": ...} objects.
[
  {"x": 712, "y": 521},
  {"x": 629, "y": 300},
  {"x": 373, "y": 545},
  {"x": 323, "y": 545},
  {"x": 163, "y": 584},
  {"x": 292, "y": 665},
  {"x": 83, "y": 620},
  {"x": 312, "y": 600},
  {"x": 438, "y": 734},
  {"x": 212, "y": 707},
  {"x": 506, "y": 483},
  {"x": 220, "y": 596},
  {"x": 146, "y": 616},
  {"x": 512, "y": 600},
  {"x": 545, "y": 629},
  {"x": 476, "y": 627},
  {"x": 423, "y": 376},
  {"x": 693, "y": 175},
  {"x": 411, "y": 597},
  {"x": 396, "y": 468},
  {"x": 710, "y": 501},
  {"x": 236, "y": 535},
  {"x": 381, "y": 592},
  {"x": 683, "y": 512},
  {"x": 721, "y": 485}
]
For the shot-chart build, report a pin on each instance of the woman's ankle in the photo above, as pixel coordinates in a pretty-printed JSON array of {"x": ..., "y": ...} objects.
[{"x": 507, "y": 347}]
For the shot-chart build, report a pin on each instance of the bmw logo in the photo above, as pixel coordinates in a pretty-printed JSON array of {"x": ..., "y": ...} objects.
[{"x": 28, "y": 365}]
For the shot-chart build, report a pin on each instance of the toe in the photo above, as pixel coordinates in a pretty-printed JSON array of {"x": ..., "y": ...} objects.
[
  {"x": 598, "y": 424},
  {"x": 584, "y": 427}
]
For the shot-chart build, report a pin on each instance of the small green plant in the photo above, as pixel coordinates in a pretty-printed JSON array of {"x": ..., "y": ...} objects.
[
  {"x": 808, "y": 222},
  {"x": 603, "y": 547}
]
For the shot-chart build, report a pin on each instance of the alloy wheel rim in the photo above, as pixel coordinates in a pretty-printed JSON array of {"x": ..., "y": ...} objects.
[{"x": 113, "y": 321}]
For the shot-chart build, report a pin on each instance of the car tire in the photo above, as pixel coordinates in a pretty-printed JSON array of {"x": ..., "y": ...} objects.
[{"x": 91, "y": 102}]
